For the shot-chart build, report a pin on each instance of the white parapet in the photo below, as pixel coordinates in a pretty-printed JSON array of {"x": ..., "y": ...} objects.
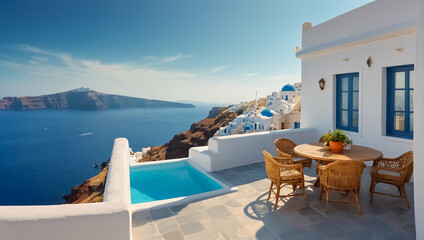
[
  {"x": 237, "y": 150},
  {"x": 201, "y": 156},
  {"x": 108, "y": 220}
]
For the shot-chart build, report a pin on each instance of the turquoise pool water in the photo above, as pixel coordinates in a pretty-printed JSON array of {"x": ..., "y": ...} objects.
[{"x": 168, "y": 180}]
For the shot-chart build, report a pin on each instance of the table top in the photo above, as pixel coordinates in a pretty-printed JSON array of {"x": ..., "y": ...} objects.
[{"x": 316, "y": 151}]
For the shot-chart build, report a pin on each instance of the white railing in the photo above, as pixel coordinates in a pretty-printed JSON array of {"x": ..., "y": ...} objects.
[
  {"x": 237, "y": 150},
  {"x": 109, "y": 220}
]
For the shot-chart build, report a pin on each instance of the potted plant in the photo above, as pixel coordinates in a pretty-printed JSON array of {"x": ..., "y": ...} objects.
[
  {"x": 348, "y": 144},
  {"x": 337, "y": 140},
  {"x": 326, "y": 138}
]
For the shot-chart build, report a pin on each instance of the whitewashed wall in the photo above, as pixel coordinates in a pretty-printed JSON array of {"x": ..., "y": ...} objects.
[
  {"x": 109, "y": 220},
  {"x": 343, "y": 45},
  {"x": 378, "y": 18},
  {"x": 318, "y": 107},
  {"x": 242, "y": 149},
  {"x": 419, "y": 126}
]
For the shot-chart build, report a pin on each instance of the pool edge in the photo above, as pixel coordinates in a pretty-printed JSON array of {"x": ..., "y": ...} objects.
[{"x": 182, "y": 200}]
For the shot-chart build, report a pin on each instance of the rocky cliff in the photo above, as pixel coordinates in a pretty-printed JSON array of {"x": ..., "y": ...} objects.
[
  {"x": 87, "y": 100},
  {"x": 198, "y": 135},
  {"x": 91, "y": 190}
]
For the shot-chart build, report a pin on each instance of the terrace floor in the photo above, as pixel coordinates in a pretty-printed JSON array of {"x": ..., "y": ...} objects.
[{"x": 247, "y": 214}]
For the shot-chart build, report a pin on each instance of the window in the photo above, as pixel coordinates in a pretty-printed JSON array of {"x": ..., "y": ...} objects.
[
  {"x": 296, "y": 124},
  {"x": 347, "y": 101},
  {"x": 400, "y": 102}
]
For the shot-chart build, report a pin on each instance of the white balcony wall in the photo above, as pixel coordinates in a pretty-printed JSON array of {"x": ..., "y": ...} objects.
[
  {"x": 242, "y": 149},
  {"x": 109, "y": 220}
]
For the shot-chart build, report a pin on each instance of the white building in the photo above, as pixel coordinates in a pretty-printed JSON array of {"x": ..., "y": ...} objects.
[
  {"x": 278, "y": 114},
  {"x": 287, "y": 95},
  {"x": 82, "y": 89},
  {"x": 358, "y": 97},
  {"x": 235, "y": 107},
  {"x": 371, "y": 60}
]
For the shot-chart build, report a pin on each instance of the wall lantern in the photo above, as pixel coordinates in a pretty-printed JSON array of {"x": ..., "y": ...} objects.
[
  {"x": 369, "y": 61},
  {"x": 321, "y": 83}
]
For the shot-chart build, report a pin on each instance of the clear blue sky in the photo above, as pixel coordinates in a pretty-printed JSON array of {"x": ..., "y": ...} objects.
[{"x": 216, "y": 51}]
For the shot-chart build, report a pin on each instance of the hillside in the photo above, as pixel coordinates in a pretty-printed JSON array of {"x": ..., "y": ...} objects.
[
  {"x": 84, "y": 100},
  {"x": 198, "y": 135}
]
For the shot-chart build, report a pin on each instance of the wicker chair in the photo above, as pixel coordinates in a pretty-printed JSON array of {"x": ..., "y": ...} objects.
[
  {"x": 342, "y": 176},
  {"x": 396, "y": 171},
  {"x": 286, "y": 146},
  {"x": 282, "y": 172}
]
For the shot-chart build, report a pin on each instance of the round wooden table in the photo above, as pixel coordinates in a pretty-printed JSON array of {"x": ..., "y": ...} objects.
[{"x": 318, "y": 152}]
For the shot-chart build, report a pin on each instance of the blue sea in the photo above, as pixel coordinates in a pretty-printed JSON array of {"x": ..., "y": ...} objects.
[{"x": 44, "y": 153}]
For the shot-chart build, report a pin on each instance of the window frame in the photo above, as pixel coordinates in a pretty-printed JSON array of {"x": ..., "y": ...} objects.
[
  {"x": 390, "y": 98},
  {"x": 350, "y": 109}
]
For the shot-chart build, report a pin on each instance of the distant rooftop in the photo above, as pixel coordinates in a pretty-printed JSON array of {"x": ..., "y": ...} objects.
[
  {"x": 82, "y": 89},
  {"x": 288, "y": 88}
]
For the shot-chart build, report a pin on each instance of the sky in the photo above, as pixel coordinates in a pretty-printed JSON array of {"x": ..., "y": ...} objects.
[{"x": 221, "y": 51}]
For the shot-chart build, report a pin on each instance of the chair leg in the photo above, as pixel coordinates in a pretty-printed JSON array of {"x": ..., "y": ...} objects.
[
  {"x": 304, "y": 194},
  {"x": 294, "y": 187},
  {"x": 373, "y": 183},
  {"x": 277, "y": 197},
  {"x": 400, "y": 191},
  {"x": 270, "y": 189},
  {"x": 405, "y": 196},
  {"x": 356, "y": 194},
  {"x": 321, "y": 192},
  {"x": 327, "y": 196}
]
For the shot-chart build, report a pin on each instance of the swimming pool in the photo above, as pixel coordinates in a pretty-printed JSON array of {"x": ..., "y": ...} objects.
[{"x": 169, "y": 180}]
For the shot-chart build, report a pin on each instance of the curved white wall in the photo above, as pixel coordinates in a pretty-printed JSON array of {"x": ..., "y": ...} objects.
[
  {"x": 242, "y": 149},
  {"x": 109, "y": 220}
]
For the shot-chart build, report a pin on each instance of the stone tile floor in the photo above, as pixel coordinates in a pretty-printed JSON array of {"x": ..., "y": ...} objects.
[{"x": 247, "y": 214}]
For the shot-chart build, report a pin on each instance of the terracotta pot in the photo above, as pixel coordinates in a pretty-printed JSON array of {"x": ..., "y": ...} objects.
[{"x": 336, "y": 147}]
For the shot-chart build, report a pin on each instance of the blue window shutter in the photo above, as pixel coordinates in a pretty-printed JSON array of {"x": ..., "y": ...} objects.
[
  {"x": 296, "y": 124},
  {"x": 391, "y": 112},
  {"x": 348, "y": 110}
]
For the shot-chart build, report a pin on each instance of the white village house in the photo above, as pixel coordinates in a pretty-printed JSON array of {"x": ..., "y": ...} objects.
[
  {"x": 282, "y": 111},
  {"x": 372, "y": 62}
]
